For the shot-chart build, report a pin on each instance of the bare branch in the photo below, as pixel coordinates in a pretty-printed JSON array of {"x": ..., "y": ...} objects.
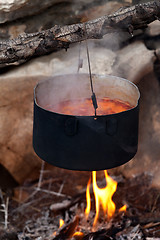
[{"x": 27, "y": 46}]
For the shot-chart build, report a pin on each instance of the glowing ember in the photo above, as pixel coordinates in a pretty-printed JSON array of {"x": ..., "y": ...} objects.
[
  {"x": 78, "y": 235},
  {"x": 123, "y": 209},
  {"x": 85, "y": 107},
  {"x": 61, "y": 222}
]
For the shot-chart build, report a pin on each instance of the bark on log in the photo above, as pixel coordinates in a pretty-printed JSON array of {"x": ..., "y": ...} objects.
[{"x": 27, "y": 46}]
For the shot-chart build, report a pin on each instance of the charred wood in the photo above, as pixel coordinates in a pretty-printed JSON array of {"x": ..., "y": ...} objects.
[
  {"x": 27, "y": 46},
  {"x": 68, "y": 230}
]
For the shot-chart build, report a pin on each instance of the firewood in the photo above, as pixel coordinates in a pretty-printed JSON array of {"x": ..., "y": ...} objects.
[
  {"x": 27, "y": 46},
  {"x": 67, "y": 231}
]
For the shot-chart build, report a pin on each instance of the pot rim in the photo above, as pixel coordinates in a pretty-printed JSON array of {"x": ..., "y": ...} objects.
[{"x": 86, "y": 74}]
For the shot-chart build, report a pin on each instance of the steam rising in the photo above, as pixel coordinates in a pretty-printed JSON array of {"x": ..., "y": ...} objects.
[{"x": 77, "y": 87}]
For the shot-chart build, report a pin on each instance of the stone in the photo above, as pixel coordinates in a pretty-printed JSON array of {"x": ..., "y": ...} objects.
[
  {"x": 16, "y": 105},
  {"x": 134, "y": 62},
  {"x": 60, "y": 13},
  {"x": 153, "y": 31},
  {"x": 153, "y": 28},
  {"x": 100, "y": 10},
  {"x": 147, "y": 158},
  {"x": 14, "y": 9}
]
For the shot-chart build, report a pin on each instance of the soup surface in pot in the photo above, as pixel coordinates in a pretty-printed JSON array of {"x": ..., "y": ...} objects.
[{"x": 84, "y": 107}]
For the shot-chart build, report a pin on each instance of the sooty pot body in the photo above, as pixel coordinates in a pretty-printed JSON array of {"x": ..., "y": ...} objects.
[{"x": 85, "y": 142}]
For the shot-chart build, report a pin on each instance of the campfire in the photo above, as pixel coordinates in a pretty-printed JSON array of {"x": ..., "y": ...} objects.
[
  {"x": 103, "y": 201},
  {"x": 106, "y": 208}
]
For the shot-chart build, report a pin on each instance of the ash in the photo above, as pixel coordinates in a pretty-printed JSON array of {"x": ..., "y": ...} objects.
[{"x": 41, "y": 228}]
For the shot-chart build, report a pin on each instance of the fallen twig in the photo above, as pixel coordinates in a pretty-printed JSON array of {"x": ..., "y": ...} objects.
[
  {"x": 4, "y": 209},
  {"x": 58, "y": 194}
]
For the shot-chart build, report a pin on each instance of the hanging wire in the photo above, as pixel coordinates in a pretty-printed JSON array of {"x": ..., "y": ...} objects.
[
  {"x": 80, "y": 60},
  {"x": 93, "y": 97}
]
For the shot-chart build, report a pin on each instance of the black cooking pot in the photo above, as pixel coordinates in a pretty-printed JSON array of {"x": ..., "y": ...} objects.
[{"x": 83, "y": 142}]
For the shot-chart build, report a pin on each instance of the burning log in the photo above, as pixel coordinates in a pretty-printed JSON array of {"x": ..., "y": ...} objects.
[
  {"x": 68, "y": 230},
  {"x": 27, "y": 46}
]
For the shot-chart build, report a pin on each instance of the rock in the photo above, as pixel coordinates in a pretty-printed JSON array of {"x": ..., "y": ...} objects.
[
  {"x": 16, "y": 152},
  {"x": 147, "y": 158},
  {"x": 158, "y": 54},
  {"x": 100, "y": 10},
  {"x": 153, "y": 33},
  {"x": 153, "y": 28},
  {"x": 14, "y": 9},
  {"x": 134, "y": 62},
  {"x": 60, "y": 13}
]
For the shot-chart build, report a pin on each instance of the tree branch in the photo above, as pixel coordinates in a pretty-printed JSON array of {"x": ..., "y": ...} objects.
[{"x": 27, "y": 46}]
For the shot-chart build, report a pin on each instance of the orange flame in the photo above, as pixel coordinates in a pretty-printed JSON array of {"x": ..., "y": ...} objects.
[
  {"x": 88, "y": 208},
  {"x": 78, "y": 234},
  {"x": 61, "y": 222},
  {"x": 103, "y": 197},
  {"x": 123, "y": 209}
]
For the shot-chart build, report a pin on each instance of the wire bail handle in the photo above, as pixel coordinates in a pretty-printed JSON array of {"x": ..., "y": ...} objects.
[{"x": 93, "y": 96}]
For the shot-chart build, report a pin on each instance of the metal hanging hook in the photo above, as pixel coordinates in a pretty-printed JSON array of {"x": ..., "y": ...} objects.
[{"x": 93, "y": 97}]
